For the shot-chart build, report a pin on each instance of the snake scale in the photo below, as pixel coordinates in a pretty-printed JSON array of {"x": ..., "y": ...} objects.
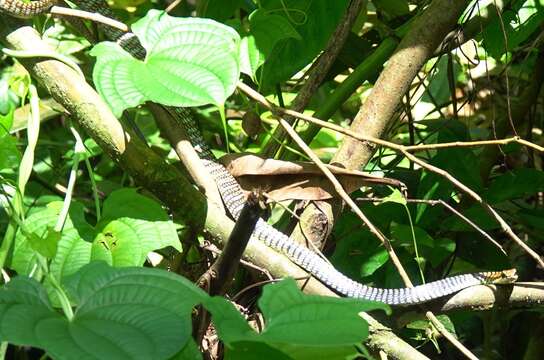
[{"x": 233, "y": 197}]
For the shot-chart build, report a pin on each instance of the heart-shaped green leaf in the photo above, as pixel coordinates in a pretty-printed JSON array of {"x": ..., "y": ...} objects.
[
  {"x": 128, "y": 313},
  {"x": 189, "y": 62}
]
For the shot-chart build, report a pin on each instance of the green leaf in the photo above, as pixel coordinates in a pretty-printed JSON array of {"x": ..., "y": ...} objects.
[
  {"x": 9, "y": 154},
  {"x": 246, "y": 350},
  {"x": 45, "y": 244},
  {"x": 130, "y": 313},
  {"x": 519, "y": 23},
  {"x": 298, "y": 326},
  {"x": 189, "y": 62},
  {"x": 189, "y": 352},
  {"x": 448, "y": 324},
  {"x": 314, "y": 21},
  {"x": 355, "y": 253},
  {"x": 515, "y": 184},
  {"x": 375, "y": 261},
  {"x": 6, "y": 122},
  {"x": 476, "y": 214},
  {"x": 439, "y": 91},
  {"x": 403, "y": 233},
  {"x": 532, "y": 217},
  {"x": 395, "y": 197},
  {"x": 461, "y": 163},
  {"x": 299, "y": 323},
  {"x": 307, "y": 319},
  {"x": 132, "y": 225},
  {"x": 8, "y": 102},
  {"x": 24, "y": 302},
  {"x": 219, "y": 10},
  {"x": 72, "y": 251},
  {"x": 493, "y": 34},
  {"x": 268, "y": 28},
  {"x": 230, "y": 324},
  {"x": 250, "y": 56}
]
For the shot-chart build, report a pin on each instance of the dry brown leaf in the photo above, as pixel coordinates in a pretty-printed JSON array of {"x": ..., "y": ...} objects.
[{"x": 287, "y": 180}]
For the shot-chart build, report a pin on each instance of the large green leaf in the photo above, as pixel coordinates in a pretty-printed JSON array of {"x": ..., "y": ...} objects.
[
  {"x": 132, "y": 225},
  {"x": 139, "y": 222},
  {"x": 297, "y": 325},
  {"x": 515, "y": 184},
  {"x": 189, "y": 62},
  {"x": 129, "y": 313},
  {"x": 314, "y": 21}
]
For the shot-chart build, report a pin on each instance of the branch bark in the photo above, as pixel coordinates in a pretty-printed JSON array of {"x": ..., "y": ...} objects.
[{"x": 486, "y": 297}]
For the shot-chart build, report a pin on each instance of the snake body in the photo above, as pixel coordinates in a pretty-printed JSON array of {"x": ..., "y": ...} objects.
[{"x": 233, "y": 196}]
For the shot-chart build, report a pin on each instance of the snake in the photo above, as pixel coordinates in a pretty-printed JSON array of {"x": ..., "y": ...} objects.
[{"x": 234, "y": 198}]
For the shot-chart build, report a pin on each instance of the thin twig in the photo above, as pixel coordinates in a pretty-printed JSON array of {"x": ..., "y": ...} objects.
[
  {"x": 96, "y": 17},
  {"x": 438, "y": 325},
  {"x": 173, "y": 5},
  {"x": 454, "y": 211},
  {"x": 391, "y": 252},
  {"x": 513, "y": 139}
]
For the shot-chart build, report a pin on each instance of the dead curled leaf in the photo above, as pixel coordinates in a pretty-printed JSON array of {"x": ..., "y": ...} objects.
[{"x": 287, "y": 180}]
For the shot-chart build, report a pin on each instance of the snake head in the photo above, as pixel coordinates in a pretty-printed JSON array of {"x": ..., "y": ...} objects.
[{"x": 506, "y": 277}]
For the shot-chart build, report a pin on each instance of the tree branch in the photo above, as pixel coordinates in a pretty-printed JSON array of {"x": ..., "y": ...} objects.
[{"x": 486, "y": 297}]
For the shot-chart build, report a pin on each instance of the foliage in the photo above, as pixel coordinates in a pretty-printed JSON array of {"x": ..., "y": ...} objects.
[
  {"x": 189, "y": 62},
  {"x": 100, "y": 268}
]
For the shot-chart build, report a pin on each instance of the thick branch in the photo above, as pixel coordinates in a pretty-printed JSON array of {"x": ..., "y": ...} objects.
[{"x": 486, "y": 297}]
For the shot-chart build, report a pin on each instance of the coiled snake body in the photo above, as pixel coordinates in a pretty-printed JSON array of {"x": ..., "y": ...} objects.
[{"x": 234, "y": 199}]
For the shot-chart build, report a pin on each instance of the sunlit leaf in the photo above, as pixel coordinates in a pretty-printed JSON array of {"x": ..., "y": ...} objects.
[{"x": 189, "y": 62}]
